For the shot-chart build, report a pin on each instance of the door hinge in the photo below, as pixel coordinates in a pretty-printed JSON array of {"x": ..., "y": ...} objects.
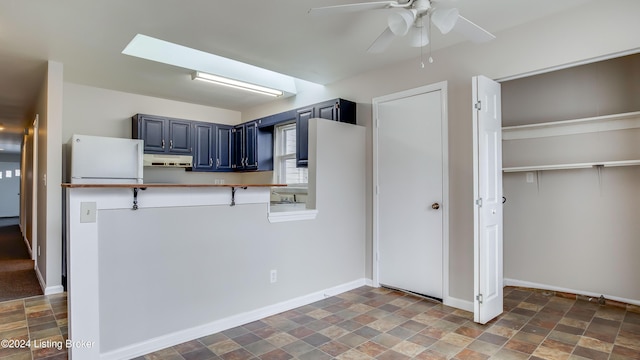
[
  {"x": 479, "y": 298},
  {"x": 478, "y": 105},
  {"x": 479, "y": 202}
]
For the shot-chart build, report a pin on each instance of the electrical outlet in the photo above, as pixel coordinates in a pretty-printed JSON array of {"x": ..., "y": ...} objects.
[{"x": 274, "y": 276}]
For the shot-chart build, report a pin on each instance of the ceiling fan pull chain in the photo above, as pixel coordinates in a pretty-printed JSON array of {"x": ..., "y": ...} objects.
[
  {"x": 421, "y": 52},
  {"x": 430, "y": 32}
]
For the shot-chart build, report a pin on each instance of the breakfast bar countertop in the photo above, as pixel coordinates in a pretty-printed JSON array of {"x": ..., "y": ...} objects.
[{"x": 164, "y": 185}]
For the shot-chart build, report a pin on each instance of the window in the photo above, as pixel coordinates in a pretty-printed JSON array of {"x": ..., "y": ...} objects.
[{"x": 285, "y": 157}]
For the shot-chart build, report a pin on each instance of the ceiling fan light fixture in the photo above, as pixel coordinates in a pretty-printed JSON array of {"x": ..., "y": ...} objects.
[
  {"x": 400, "y": 21},
  {"x": 236, "y": 84},
  {"x": 419, "y": 36},
  {"x": 445, "y": 19}
]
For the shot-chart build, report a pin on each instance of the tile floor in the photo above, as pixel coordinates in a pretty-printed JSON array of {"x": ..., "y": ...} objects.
[
  {"x": 42, "y": 319},
  {"x": 369, "y": 323}
]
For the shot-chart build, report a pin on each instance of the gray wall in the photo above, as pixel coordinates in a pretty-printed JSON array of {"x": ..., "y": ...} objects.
[
  {"x": 574, "y": 229},
  {"x": 93, "y": 111},
  {"x": 601, "y": 88},
  {"x": 558, "y": 40}
]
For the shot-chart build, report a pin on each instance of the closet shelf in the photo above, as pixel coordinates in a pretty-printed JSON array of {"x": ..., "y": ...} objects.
[
  {"x": 622, "y": 121},
  {"x": 572, "y": 166}
]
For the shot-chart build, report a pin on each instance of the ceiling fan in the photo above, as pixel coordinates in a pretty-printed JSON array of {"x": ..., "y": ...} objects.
[{"x": 413, "y": 17}]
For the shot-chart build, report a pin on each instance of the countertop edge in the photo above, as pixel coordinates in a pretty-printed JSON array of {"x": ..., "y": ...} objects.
[{"x": 140, "y": 186}]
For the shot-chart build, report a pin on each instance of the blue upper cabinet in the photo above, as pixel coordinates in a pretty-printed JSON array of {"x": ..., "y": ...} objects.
[
  {"x": 302, "y": 135},
  {"x": 244, "y": 147},
  {"x": 162, "y": 135},
  {"x": 224, "y": 148},
  {"x": 253, "y": 147},
  {"x": 204, "y": 137},
  {"x": 180, "y": 137},
  {"x": 337, "y": 110}
]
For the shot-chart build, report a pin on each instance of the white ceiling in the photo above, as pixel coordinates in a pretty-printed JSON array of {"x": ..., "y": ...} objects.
[{"x": 88, "y": 36}]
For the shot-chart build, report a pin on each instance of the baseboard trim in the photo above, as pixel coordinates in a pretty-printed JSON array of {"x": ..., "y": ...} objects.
[
  {"x": 43, "y": 284},
  {"x": 458, "y": 303},
  {"x": 182, "y": 336},
  {"x": 26, "y": 242},
  {"x": 528, "y": 284},
  {"x": 47, "y": 290},
  {"x": 51, "y": 290}
]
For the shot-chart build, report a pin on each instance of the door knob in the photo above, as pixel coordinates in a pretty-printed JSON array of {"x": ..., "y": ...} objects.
[{"x": 435, "y": 206}]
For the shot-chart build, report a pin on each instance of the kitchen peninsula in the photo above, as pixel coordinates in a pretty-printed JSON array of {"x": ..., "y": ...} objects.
[{"x": 186, "y": 264}]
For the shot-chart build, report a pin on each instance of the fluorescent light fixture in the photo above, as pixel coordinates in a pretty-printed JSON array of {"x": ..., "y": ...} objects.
[
  {"x": 165, "y": 52},
  {"x": 236, "y": 84}
]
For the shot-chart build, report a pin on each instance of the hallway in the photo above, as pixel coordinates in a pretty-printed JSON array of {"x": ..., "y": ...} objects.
[{"x": 17, "y": 275}]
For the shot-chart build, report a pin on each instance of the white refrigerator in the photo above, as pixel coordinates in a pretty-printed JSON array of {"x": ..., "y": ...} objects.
[{"x": 105, "y": 160}]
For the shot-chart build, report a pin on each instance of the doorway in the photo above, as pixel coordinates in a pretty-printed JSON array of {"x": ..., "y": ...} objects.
[{"x": 410, "y": 238}]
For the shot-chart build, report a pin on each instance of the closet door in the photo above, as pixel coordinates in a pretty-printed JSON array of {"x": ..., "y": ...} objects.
[{"x": 487, "y": 190}]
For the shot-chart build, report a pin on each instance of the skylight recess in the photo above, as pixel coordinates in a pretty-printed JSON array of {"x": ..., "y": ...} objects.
[{"x": 149, "y": 48}]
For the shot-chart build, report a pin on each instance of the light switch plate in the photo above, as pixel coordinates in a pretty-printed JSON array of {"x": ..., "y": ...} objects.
[
  {"x": 87, "y": 212},
  {"x": 530, "y": 177}
]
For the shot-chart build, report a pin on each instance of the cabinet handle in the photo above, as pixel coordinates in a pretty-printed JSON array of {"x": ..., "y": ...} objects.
[
  {"x": 217, "y": 162},
  {"x": 170, "y": 144},
  {"x": 210, "y": 162},
  {"x": 163, "y": 143}
]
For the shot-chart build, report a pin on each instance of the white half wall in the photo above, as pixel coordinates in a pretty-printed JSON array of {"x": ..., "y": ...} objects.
[{"x": 214, "y": 262}]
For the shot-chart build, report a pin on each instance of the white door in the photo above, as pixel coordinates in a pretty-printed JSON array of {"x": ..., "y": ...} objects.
[
  {"x": 9, "y": 189},
  {"x": 408, "y": 175},
  {"x": 487, "y": 176}
]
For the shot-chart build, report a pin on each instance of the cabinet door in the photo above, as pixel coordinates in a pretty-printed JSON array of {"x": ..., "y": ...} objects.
[
  {"x": 180, "y": 137},
  {"x": 204, "y": 139},
  {"x": 328, "y": 110},
  {"x": 251, "y": 146},
  {"x": 238, "y": 148},
  {"x": 302, "y": 136},
  {"x": 223, "y": 148},
  {"x": 153, "y": 133}
]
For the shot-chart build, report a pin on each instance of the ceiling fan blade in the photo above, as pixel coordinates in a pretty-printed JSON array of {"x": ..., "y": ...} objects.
[
  {"x": 341, "y": 9},
  {"x": 382, "y": 42},
  {"x": 472, "y": 31}
]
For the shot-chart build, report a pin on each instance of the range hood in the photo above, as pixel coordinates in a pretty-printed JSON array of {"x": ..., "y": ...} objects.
[{"x": 161, "y": 160}]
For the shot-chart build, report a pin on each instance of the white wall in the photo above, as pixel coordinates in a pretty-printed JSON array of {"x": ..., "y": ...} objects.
[
  {"x": 565, "y": 38},
  {"x": 213, "y": 262}
]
